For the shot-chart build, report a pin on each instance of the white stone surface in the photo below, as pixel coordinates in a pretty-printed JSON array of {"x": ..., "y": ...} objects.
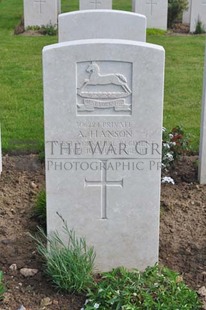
[
  {"x": 202, "y": 151},
  {"x": 59, "y": 6},
  {"x": 187, "y": 14},
  {"x": 134, "y": 3},
  {"x": 95, "y": 4},
  {"x": 41, "y": 12},
  {"x": 103, "y": 102},
  {"x": 156, "y": 12},
  {"x": 198, "y": 11},
  {"x": 0, "y": 152},
  {"x": 102, "y": 24}
]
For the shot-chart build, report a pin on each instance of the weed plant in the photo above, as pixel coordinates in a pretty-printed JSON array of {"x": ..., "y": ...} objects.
[
  {"x": 2, "y": 288},
  {"x": 69, "y": 265},
  {"x": 49, "y": 29},
  {"x": 156, "y": 288},
  {"x": 40, "y": 208},
  {"x": 199, "y": 29}
]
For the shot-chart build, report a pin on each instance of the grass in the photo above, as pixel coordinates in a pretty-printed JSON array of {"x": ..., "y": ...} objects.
[
  {"x": 183, "y": 82},
  {"x": 21, "y": 103},
  {"x": 2, "y": 288},
  {"x": 40, "y": 208},
  {"x": 21, "y": 96}
]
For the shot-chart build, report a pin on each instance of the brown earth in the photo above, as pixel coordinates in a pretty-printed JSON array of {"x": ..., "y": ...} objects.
[
  {"x": 182, "y": 233},
  {"x": 181, "y": 28}
]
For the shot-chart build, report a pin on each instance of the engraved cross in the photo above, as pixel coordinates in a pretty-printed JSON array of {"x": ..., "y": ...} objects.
[
  {"x": 151, "y": 2},
  {"x": 96, "y": 3},
  {"x": 40, "y": 4},
  {"x": 103, "y": 184}
]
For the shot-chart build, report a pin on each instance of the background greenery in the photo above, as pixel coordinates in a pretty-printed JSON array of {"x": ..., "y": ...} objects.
[{"x": 21, "y": 98}]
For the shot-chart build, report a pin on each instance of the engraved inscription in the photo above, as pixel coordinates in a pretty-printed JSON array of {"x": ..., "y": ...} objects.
[
  {"x": 40, "y": 4},
  {"x": 103, "y": 183},
  {"x": 96, "y": 3},
  {"x": 103, "y": 91},
  {"x": 151, "y": 3}
]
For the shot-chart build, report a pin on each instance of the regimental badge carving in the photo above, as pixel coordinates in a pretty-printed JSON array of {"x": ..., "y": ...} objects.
[{"x": 103, "y": 91}]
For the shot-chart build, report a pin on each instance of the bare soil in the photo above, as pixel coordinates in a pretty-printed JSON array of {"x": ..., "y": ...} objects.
[
  {"x": 181, "y": 28},
  {"x": 182, "y": 233}
]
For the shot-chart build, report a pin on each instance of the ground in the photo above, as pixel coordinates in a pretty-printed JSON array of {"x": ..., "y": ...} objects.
[{"x": 182, "y": 233}]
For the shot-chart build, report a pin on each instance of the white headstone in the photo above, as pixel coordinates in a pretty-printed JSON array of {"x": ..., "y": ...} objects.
[
  {"x": 95, "y": 4},
  {"x": 41, "y": 12},
  {"x": 198, "y": 12},
  {"x": 103, "y": 127},
  {"x": 102, "y": 24},
  {"x": 156, "y": 12},
  {"x": 134, "y": 3},
  {"x": 0, "y": 153},
  {"x": 187, "y": 14},
  {"x": 202, "y": 151},
  {"x": 59, "y": 6}
]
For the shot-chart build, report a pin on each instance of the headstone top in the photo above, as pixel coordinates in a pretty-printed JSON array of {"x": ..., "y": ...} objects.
[
  {"x": 95, "y": 24},
  {"x": 151, "y": 3},
  {"x": 103, "y": 41},
  {"x": 156, "y": 12},
  {"x": 40, "y": 3},
  {"x": 95, "y": 4}
]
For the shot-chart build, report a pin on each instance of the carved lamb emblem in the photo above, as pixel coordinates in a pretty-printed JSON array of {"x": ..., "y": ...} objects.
[{"x": 103, "y": 99}]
